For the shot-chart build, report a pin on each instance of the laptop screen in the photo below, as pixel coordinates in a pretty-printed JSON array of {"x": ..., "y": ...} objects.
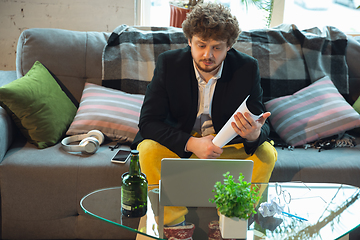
[{"x": 189, "y": 182}]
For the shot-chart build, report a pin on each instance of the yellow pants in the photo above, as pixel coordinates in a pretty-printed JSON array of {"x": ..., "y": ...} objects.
[{"x": 151, "y": 153}]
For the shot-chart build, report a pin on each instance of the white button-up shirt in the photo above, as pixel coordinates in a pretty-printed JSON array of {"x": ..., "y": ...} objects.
[{"x": 203, "y": 124}]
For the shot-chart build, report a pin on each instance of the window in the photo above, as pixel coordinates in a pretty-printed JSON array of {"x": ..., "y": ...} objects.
[
  {"x": 303, "y": 13},
  {"x": 341, "y": 14},
  {"x": 158, "y": 13}
]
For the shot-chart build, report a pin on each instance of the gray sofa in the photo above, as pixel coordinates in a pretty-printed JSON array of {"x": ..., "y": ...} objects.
[{"x": 41, "y": 188}]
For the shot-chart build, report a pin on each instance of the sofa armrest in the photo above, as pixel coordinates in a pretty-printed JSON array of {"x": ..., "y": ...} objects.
[
  {"x": 6, "y": 132},
  {"x": 6, "y": 124}
]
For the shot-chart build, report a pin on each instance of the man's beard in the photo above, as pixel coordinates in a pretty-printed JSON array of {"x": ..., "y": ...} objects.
[{"x": 207, "y": 70}]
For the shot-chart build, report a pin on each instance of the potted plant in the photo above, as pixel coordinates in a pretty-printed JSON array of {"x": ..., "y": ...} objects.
[
  {"x": 186, "y": 3},
  {"x": 235, "y": 201},
  {"x": 179, "y": 9}
]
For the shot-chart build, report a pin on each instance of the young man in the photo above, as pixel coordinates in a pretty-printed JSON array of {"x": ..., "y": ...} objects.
[{"x": 194, "y": 91}]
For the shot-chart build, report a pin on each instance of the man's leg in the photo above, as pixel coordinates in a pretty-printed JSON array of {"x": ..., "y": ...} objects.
[
  {"x": 150, "y": 155},
  {"x": 264, "y": 159}
]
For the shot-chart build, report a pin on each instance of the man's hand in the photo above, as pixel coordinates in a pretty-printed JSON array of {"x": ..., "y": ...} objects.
[
  {"x": 203, "y": 147},
  {"x": 246, "y": 127}
]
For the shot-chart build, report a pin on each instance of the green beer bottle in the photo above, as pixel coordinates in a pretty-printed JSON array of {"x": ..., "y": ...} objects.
[{"x": 134, "y": 189}]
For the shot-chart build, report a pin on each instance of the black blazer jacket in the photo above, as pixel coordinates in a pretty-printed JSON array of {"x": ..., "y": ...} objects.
[{"x": 169, "y": 110}]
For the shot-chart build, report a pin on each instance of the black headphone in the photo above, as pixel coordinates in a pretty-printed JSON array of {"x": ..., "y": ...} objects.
[{"x": 90, "y": 142}]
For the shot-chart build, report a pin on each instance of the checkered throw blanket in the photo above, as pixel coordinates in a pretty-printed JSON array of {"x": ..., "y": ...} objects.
[
  {"x": 289, "y": 59},
  {"x": 131, "y": 52}
]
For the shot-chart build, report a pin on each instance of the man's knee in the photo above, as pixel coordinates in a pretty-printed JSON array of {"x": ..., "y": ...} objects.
[
  {"x": 148, "y": 145},
  {"x": 267, "y": 153},
  {"x": 153, "y": 148}
]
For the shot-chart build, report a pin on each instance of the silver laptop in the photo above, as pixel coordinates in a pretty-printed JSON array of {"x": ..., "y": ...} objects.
[{"x": 189, "y": 182}]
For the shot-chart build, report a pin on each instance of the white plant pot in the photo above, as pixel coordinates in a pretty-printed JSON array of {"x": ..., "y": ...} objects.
[{"x": 233, "y": 227}]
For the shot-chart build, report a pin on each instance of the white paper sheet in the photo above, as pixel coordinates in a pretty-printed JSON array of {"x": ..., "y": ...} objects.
[{"x": 227, "y": 133}]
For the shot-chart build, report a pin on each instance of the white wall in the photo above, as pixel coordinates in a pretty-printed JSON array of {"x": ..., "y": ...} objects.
[{"x": 80, "y": 15}]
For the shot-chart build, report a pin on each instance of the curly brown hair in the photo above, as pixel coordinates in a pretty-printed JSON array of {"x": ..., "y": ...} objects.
[{"x": 212, "y": 21}]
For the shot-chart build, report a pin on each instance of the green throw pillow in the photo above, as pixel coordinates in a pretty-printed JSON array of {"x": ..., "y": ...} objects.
[
  {"x": 39, "y": 107},
  {"x": 356, "y": 105}
]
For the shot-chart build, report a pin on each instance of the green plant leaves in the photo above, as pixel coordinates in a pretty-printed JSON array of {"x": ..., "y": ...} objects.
[{"x": 235, "y": 198}]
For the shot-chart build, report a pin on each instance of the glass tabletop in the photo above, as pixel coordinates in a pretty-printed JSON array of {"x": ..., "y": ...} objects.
[
  {"x": 310, "y": 211},
  {"x": 105, "y": 204}
]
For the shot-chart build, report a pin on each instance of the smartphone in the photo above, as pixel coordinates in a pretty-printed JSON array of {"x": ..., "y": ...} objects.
[{"x": 121, "y": 156}]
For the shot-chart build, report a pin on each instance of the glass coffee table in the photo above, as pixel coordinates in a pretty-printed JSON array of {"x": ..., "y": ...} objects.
[{"x": 311, "y": 211}]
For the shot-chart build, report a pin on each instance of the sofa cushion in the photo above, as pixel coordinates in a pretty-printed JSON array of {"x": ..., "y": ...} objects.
[
  {"x": 52, "y": 46},
  {"x": 40, "y": 109},
  {"x": 113, "y": 112},
  {"x": 338, "y": 165},
  {"x": 314, "y": 112},
  {"x": 42, "y": 189}
]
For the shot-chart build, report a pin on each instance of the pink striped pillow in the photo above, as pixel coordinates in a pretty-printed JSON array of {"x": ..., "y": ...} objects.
[
  {"x": 312, "y": 113},
  {"x": 113, "y": 112}
]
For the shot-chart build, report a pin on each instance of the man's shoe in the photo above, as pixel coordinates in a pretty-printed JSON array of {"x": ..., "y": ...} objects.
[
  {"x": 179, "y": 232},
  {"x": 214, "y": 231}
]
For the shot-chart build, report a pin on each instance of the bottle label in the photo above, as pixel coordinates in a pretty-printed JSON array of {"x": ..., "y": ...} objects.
[
  {"x": 126, "y": 207},
  {"x": 128, "y": 199}
]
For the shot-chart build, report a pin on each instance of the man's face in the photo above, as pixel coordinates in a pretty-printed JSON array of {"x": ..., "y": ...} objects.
[{"x": 208, "y": 54}]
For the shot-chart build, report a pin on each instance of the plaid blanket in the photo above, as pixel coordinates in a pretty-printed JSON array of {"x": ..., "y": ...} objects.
[
  {"x": 131, "y": 52},
  {"x": 289, "y": 59}
]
